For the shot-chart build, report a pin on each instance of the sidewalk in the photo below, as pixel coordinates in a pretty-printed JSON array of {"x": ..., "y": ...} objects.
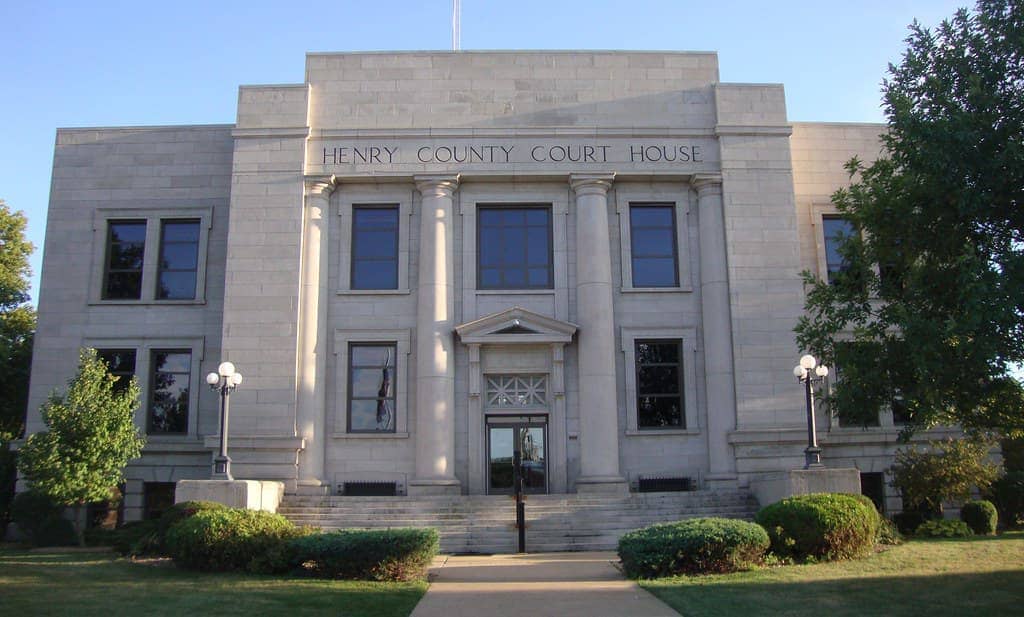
[{"x": 535, "y": 585}]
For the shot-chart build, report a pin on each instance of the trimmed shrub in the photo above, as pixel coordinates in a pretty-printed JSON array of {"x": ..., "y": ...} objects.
[
  {"x": 888, "y": 533},
  {"x": 41, "y": 520},
  {"x": 228, "y": 539},
  {"x": 909, "y": 520},
  {"x": 943, "y": 528},
  {"x": 1007, "y": 494},
  {"x": 378, "y": 555},
  {"x": 980, "y": 516},
  {"x": 820, "y": 525},
  {"x": 693, "y": 546},
  {"x": 181, "y": 511}
]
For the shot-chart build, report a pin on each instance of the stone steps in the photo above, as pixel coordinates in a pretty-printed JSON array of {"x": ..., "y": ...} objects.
[{"x": 486, "y": 524}]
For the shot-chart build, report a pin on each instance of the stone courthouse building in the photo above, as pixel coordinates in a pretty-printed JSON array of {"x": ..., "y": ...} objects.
[{"x": 425, "y": 262}]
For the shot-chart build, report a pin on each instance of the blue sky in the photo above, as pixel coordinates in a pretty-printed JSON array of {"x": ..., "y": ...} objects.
[{"x": 103, "y": 63}]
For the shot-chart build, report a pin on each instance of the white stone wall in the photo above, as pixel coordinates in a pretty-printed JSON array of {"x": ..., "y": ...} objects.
[{"x": 139, "y": 172}]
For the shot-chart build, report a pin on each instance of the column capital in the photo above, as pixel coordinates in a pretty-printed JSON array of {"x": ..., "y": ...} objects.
[
  {"x": 706, "y": 183},
  {"x": 321, "y": 186},
  {"x": 591, "y": 184},
  {"x": 437, "y": 185}
]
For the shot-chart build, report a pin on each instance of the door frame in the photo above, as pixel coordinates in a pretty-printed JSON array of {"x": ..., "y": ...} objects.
[{"x": 516, "y": 421}]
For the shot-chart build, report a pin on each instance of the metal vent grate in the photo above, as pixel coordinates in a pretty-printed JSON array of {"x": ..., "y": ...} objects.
[
  {"x": 662, "y": 485},
  {"x": 370, "y": 489}
]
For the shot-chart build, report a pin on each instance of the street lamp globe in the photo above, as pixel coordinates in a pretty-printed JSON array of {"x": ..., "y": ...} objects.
[
  {"x": 808, "y": 362},
  {"x": 226, "y": 369},
  {"x": 821, "y": 371},
  {"x": 212, "y": 379},
  {"x": 799, "y": 371},
  {"x": 236, "y": 379}
]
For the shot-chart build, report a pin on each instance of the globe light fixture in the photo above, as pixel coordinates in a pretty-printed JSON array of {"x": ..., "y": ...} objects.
[
  {"x": 808, "y": 372},
  {"x": 225, "y": 380}
]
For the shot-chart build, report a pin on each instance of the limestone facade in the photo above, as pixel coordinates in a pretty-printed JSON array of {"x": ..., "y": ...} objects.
[{"x": 442, "y": 143}]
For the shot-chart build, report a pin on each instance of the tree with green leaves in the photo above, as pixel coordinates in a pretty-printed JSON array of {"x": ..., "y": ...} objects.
[
  {"x": 945, "y": 471},
  {"x": 930, "y": 304},
  {"x": 91, "y": 437},
  {"x": 17, "y": 324}
]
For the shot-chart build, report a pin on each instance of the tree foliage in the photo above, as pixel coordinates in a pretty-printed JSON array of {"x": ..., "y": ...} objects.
[
  {"x": 945, "y": 471},
  {"x": 933, "y": 291},
  {"x": 17, "y": 321},
  {"x": 91, "y": 437}
]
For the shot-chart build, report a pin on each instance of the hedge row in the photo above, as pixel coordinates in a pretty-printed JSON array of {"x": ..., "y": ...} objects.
[
  {"x": 694, "y": 546},
  {"x": 229, "y": 539}
]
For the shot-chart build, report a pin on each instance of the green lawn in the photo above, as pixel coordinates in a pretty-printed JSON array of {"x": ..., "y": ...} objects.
[
  {"x": 977, "y": 576},
  {"x": 84, "y": 584}
]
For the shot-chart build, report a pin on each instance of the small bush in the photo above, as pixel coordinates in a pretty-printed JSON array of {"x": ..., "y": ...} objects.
[
  {"x": 228, "y": 539},
  {"x": 181, "y": 511},
  {"x": 379, "y": 555},
  {"x": 820, "y": 526},
  {"x": 888, "y": 533},
  {"x": 1007, "y": 493},
  {"x": 943, "y": 528},
  {"x": 980, "y": 516},
  {"x": 909, "y": 520},
  {"x": 694, "y": 546},
  {"x": 41, "y": 520}
]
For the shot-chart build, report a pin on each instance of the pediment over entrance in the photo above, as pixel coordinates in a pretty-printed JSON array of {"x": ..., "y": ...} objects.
[{"x": 516, "y": 325}]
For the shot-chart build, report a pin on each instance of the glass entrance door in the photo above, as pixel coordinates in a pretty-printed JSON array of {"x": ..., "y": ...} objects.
[{"x": 508, "y": 437}]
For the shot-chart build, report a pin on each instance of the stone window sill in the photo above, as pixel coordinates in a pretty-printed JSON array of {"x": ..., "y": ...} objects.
[
  {"x": 661, "y": 432},
  {"x": 373, "y": 292},
  {"x": 515, "y": 292},
  {"x": 656, "y": 290},
  {"x": 146, "y": 302}
]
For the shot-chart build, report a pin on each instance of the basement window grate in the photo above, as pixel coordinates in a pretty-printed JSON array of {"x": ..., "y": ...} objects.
[
  {"x": 370, "y": 489},
  {"x": 664, "y": 485}
]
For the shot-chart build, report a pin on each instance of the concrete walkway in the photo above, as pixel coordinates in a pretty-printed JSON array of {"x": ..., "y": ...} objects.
[{"x": 535, "y": 585}]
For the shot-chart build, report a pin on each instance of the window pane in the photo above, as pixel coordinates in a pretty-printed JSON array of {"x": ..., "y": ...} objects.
[
  {"x": 653, "y": 246},
  {"x": 375, "y": 275},
  {"x": 371, "y": 244},
  {"x": 168, "y": 412},
  {"x": 373, "y": 355},
  {"x": 658, "y": 384},
  {"x": 514, "y": 249},
  {"x": 121, "y": 364},
  {"x": 177, "y": 286},
  {"x": 124, "y": 286},
  {"x": 181, "y": 231},
  {"x": 372, "y": 386},
  {"x": 126, "y": 255},
  {"x": 836, "y": 231},
  {"x": 368, "y": 218},
  {"x": 651, "y": 216},
  {"x": 132, "y": 231},
  {"x": 178, "y": 257},
  {"x": 653, "y": 242},
  {"x": 660, "y": 272},
  {"x": 658, "y": 379},
  {"x": 652, "y": 353},
  {"x": 658, "y": 412},
  {"x": 375, "y": 248}
]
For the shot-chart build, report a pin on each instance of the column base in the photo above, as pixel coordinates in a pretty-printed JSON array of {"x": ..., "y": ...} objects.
[
  {"x": 312, "y": 486},
  {"x": 602, "y": 485},
  {"x": 434, "y": 487}
]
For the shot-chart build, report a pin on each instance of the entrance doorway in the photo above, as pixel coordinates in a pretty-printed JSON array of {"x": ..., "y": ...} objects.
[{"x": 511, "y": 437}]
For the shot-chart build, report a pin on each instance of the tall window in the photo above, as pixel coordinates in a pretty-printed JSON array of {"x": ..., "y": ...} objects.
[
  {"x": 126, "y": 247},
  {"x": 836, "y": 231},
  {"x": 371, "y": 378},
  {"x": 375, "y": 247},
  {"x": 179, "y": 259},
  {"x": 514, "y": 248},
  {"x": 659, "y": 384},
  {"x": 652, "y": 231},
  {"x": 169, "y": 391},
  {"x": 121, "y": 364}
]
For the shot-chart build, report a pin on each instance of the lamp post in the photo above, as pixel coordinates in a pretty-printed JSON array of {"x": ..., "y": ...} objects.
[
  {"x": 808, "y": 372},
  {"x": 224, "y": 380}
]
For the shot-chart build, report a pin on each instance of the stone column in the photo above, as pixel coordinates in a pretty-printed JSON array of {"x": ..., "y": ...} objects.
[
  {"x": 435, "y": 343},
  {"x": 719, "y": 374},
  {"x": 310, "y": 422},
  {"x": 599, "y": 413}
]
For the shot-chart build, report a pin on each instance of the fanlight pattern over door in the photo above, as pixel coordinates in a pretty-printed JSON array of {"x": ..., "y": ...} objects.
[{"x": 516, "y": 391}]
